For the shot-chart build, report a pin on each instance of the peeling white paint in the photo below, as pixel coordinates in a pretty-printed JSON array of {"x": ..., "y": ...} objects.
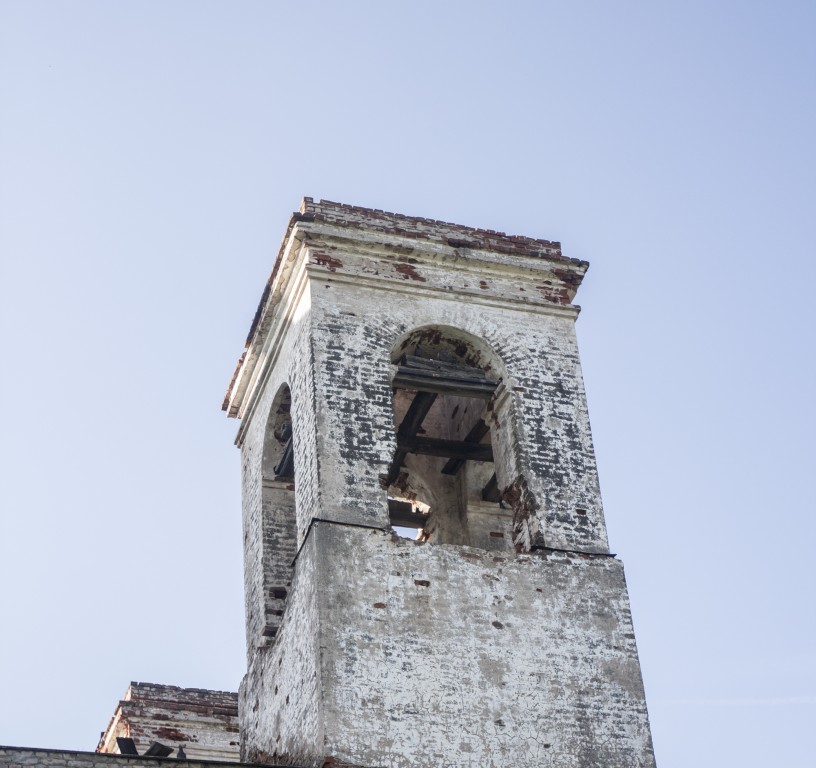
[{"x": 512, "y": 646}]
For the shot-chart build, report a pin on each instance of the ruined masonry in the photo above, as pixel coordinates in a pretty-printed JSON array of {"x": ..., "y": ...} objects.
[
  {"x": 204, "y": 723},
  {"x": 428, "y": 579}
]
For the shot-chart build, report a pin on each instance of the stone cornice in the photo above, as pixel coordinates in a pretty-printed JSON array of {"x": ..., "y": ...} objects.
[{"x": 380, "y": 250}]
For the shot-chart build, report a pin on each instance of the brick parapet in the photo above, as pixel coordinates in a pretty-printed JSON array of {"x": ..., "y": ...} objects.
[
  {"x": 175, "y": 698},
  {"x": 416, "y": 227}
]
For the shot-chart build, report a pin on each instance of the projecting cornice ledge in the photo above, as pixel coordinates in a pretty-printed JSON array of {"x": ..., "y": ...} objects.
[{"x": 332, "y": 241}]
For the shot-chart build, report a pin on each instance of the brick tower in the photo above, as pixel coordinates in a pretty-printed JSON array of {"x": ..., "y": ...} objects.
[{"x": 428, "y": 579}]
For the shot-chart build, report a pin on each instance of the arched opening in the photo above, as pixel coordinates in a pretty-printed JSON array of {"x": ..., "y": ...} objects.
[
  {"x": 278, "y": 537},
  {"x": 442, "y": 482}
]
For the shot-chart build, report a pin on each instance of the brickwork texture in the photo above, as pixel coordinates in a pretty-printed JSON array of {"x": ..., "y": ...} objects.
[{"x": 502, "y": 635}]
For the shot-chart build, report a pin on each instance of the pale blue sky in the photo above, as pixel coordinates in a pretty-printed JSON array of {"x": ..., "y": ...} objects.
[{"x": 150, "y": 154}]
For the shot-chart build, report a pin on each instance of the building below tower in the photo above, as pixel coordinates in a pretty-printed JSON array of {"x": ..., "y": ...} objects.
[{"x": 203, "y": 723}]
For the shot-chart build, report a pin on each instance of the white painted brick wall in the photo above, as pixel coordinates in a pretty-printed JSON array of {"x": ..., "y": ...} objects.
[{"x": 395, "y": 653}]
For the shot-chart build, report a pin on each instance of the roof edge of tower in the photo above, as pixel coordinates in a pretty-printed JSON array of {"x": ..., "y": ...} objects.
[
  {"x": 344, "y": 216},
  {"x": 417, "y": 227}
]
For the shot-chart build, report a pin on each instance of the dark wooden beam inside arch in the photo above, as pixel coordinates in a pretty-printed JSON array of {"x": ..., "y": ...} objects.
[
  {"x": 479, "y": 430},
  {"x": 411, "y": 423},
  {"x": 452, "y": 449},
  {"x": 463, "y": 386},
  {"x": 443, "y": 377},
  {"x": 430, "y": 378}
]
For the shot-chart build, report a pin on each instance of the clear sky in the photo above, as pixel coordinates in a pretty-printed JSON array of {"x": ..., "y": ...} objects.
[{"x": 150, "y": 155}]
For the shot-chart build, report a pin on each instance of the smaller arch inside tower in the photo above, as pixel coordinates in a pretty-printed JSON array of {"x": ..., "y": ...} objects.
[{"x": 442, "y": 484}]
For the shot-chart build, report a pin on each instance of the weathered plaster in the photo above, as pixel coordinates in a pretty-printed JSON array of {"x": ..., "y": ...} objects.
[
  {"x": 203, "y": 722},
  {"x": 506, "y": 642}
]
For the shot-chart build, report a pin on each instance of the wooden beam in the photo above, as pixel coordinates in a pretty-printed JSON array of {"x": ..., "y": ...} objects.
[
  {"x": 442, "y": 366},
  {"x": 407, "y": 378},
  {"x": 479, "y": 430},
  {"x": 416, "y": 414},
  {"x": 411, "y": 422},
  {"x": 433, "y": 446}
]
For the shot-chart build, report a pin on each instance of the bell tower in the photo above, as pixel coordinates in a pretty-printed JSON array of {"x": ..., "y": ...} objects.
[{"x": 427, "y": 574}]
